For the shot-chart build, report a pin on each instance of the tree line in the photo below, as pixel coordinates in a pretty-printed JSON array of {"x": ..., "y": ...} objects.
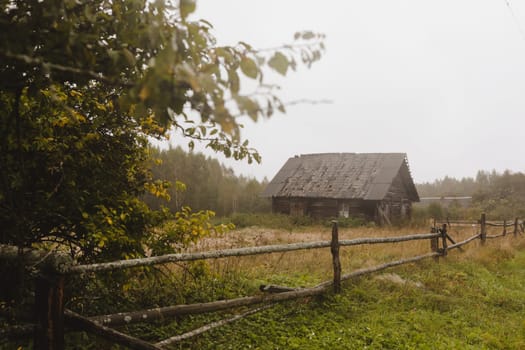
[
  {"x": 500, "y": 194},
  {"x": 202, "y": 183}
]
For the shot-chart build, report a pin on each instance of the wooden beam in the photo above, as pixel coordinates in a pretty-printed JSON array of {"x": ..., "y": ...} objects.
[
  {"x": 49, "y": 313},
  {"x": 81, "y": 323},
  {"x": 336, "y": 263},
  {"x": 483, "y": 228},
  {"x": 124, "y": 318},
  {"x": 223, "y": 253},
  {"x": 209, "y": 327}
]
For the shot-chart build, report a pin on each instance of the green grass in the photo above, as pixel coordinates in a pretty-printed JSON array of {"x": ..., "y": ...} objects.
[
  {"x": 470, "y": 300},
  {"x": 463, "y": 303},
  {"x": 287, "y": 222}
]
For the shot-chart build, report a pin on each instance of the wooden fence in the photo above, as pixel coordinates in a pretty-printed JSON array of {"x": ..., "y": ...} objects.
[{"x": 54, "y": 268}]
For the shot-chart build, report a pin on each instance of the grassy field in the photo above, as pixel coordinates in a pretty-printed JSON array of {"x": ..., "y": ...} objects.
[{"x": 472, "y": 299}]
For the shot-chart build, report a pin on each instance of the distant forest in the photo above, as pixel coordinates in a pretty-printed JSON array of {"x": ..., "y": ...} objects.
[
  {"x": 500, "y": 195},
  {"x": 211, "y": 185}
]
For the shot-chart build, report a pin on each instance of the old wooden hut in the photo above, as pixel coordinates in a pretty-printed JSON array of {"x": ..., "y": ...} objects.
[{"x": 375, "y": 186}]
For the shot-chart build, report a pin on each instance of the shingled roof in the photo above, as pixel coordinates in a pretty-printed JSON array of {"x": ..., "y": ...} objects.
[{"x": 365, "y": 176}]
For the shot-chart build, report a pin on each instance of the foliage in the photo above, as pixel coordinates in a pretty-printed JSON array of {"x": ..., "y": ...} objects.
[
  {"x": 267, "y": 220},
  {"x": 83, "y": 84},
  {"x": 474, "y": 303},
  {"x": 184, "y": 229},
  {"x": 499, "y": 195},
  {"x": 469, "y": 300},
  {"x": 207, "y": 184}
]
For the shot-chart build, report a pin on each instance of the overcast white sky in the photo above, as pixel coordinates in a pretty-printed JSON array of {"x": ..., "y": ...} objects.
[{"x": 441, "y": 80}]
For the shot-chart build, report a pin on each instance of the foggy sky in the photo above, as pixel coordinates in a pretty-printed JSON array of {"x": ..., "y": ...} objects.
[{"x": 443, "y": 81}]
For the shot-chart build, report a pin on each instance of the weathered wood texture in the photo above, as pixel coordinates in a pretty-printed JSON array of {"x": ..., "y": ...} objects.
[
  {"x": 483, "y": 228},
  {"x": 81, "y": 323},
  {"x": 444, "y": 239},
  {"x": 167, "y": 312},
  {"x": 49, "y": 310},
  {"x": 223, "y": 253},
  {"x": 124, "y": 318},
  {"x": 462, "y": 243},
  {"x": 208, "y": 327},
  {"x": 336, "y": 263}
]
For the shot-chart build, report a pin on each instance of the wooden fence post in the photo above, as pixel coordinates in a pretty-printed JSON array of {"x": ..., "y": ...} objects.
[
  {"x": 434, "y": 242},
  {"x": 504, "y": 227},
  {"x": 444, "y": 239},
  {"x": 516, "y": 227},
  {"x": 49, "y": 312},
  {"x": 334, "y": 248},
  {"x": 483, "y": 228}
]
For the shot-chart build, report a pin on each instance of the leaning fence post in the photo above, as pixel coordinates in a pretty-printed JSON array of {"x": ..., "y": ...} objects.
[
  {"x": 334, "y": 248},
  {"x": 516, "y": 227},
  {"x": 49, "y": 312},
  {"x": 483, "y": 228},
  {"x": 444, "y": 239}
]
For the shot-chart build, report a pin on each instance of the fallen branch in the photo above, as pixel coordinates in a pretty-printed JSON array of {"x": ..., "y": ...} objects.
[{"x": 208, "y": 327}]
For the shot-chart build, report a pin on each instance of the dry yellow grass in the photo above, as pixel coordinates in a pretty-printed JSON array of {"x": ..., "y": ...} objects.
[{"x": 313, "y": 266}]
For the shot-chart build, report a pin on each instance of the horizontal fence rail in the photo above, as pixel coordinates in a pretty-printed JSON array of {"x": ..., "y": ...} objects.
[
  {"x": 224, "y": 253},
  {"x": 55, "y": 267}
]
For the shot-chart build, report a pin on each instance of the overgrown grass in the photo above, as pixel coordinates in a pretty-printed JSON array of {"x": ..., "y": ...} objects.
[
  {"x": 470, "y": 300},
  {"x": 473, "y": 299},
  {"x": 287, "y": 222}
]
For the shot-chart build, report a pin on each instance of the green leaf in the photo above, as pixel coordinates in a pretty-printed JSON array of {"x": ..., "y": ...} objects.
[
  {"x": 249, "y": 67},
  {"x": 186, "y": 7},
  {"x": 279, "y": 63},
  {"x": 233, "y": 78},
  {"x": 308, "y": 35}
]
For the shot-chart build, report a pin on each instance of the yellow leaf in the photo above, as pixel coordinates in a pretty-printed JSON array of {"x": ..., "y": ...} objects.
[{"x": 144, "y": 93}]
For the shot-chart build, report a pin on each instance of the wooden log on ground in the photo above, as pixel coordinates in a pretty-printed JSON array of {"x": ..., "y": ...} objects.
[
  {"x": 209, "y": 327},
  {"x": 81, "y": 323}
]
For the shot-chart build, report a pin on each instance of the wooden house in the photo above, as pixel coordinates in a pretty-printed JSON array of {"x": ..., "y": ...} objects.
[{"x": 375, "y": 186}]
